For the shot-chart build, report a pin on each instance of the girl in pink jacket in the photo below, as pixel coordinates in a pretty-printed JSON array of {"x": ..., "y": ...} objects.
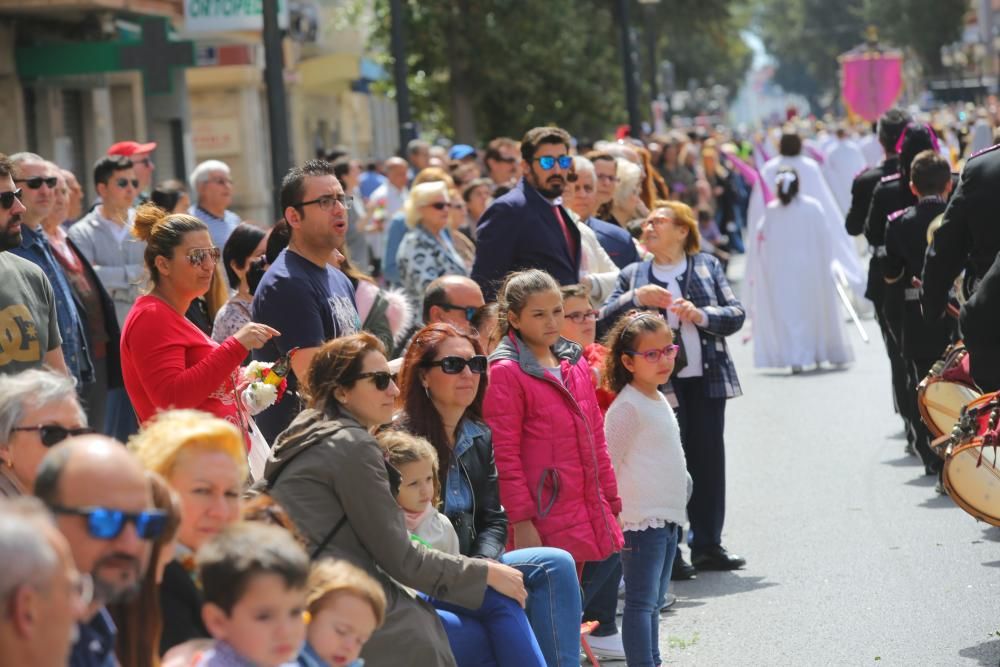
[{"x": 556, "y": 478}]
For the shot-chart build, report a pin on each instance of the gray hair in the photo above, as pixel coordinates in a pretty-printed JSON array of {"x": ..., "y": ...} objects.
[
  {"x": 628, "y": 181},
  {"x": 202, "y": 172},
  {"x": 32, "y": 389},
  {"x": 25, "y": 551},
  {"x": 582, "y": 165}
]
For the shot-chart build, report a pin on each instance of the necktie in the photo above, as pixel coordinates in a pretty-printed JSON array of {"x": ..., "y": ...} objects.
[{"x": 565, "y": 231}]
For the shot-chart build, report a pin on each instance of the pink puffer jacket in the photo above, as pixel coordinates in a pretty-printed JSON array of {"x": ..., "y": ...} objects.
[{"x": 551, "y": 456}]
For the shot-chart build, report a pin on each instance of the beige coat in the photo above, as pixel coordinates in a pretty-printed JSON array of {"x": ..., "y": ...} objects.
[{"x": 332, "y": 467}]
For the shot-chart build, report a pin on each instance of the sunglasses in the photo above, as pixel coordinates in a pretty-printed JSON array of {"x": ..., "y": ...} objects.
[
  {"x": 7, "y": 198},
  {"x": 327, "y": 202},
  {"x": 197, "y": 256},
  {"x": 36, "y": 182},
  {"x": 380, "y": 379},
  {"x": 653, "y": 356},
  {"x": 106, "y": 524},
  {"x": 582, "y": 316},
  {"x": 455, "y": 365},
  {"x": 470, "y": 311},
  {"x": 440, "y": 205},
  {"x": 53, "y": 434},
  {"x": 547, "y": 162},
  {"x": 508, "y": 160},
  {"x": 124, "y": 182}
]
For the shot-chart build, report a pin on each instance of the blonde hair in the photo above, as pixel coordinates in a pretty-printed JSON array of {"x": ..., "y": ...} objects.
[
  {"x": 171, "y": 433},
  {"x": 683, "y": 214},
  {"x": 329, "y": 578},
  {"x": 421, "y": 195},
  {"x": 162, "y": 232},
  {"x": 402, "y": 448}
]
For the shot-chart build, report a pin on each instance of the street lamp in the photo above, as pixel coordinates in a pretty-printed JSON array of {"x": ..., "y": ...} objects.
[
  {"x": 650, "y": 11},
  {"x": 630, "y": 67}
]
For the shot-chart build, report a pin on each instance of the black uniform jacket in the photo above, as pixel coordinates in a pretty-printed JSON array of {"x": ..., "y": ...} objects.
[{"x": 862, "y": 190}]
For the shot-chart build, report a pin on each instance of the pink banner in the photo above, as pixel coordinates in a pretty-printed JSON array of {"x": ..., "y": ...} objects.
[{"x": 872, "y": 82}]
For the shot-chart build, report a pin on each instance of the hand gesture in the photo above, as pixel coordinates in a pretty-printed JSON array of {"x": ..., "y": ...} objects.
[
  {"x": 253, "y": 336},
  {"x": 654, "y": 296}
]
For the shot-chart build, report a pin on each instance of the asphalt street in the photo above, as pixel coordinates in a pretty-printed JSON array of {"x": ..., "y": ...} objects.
[{"x": 853, "y": 559}]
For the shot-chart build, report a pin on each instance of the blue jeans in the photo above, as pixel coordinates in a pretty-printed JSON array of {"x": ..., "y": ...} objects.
[
  {"x": 497, "y": 633},
  {"x": 647, "y": 559},
  {"x": 554, "y": 605}
]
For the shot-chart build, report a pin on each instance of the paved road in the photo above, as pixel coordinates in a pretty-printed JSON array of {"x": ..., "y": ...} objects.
[{"x": 853, "y": 558}]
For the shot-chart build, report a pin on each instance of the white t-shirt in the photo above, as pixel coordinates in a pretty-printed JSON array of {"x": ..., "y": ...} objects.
[{"x": 669, "y": 275}]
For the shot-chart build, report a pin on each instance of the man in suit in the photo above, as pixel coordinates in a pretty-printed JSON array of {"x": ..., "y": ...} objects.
[{"x": 528, "y": 227}]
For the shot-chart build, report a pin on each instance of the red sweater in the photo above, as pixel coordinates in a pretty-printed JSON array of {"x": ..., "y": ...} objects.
[{"x": 167, "y": 362}]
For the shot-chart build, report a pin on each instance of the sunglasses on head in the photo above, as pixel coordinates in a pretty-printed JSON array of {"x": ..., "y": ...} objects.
[
  {"x": 197, "y": 256},
  {"x": 547, "y": 162},
  {"x": 53, "y": 434},
  {"x": 7, "y": 198},
  {"x": 455, "y": 365},
  {"x": 36, "y": 182},
  {"x": 653, "y": 356},
  {"x": 125, "y": 182},
  {"x": 380, "y": 379},
  {"x": 106, "y": 524}
]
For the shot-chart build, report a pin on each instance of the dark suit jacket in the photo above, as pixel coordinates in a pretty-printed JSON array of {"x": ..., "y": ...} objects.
[
  {"x": 969, "y": 232},
  {"x": 862, "y": 190},
  {"x": 520, "y": 231},
  {"x": 616, "y": 242},
  {"x": 113, "y": 358},
  {"x": 180, "y": 604},
  {"x": 980, "y": 324}
]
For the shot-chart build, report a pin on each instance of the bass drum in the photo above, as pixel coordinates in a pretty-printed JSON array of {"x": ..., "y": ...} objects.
[
  {"x": 971, "y": 474},
  {"x": 946, "y": 390}
]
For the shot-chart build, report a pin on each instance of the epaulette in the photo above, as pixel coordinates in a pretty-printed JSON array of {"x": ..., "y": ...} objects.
[
  {"x": 985, "y": 150},
  {"x": 898, "y": 214},
  {"x": 890, "y": 177}
]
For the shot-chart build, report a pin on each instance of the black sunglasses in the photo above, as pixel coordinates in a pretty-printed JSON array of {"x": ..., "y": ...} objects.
[
  {"x": 470, "y": 311},
  {"x": 104, "y": 523},
  {"x": 455, "y": 365},
  {"x": 35, "y": 182},
  {"x": 53, "y": 434},
  {"x": 7, "y": 198},
  {"x": 440, "y": 205},
  {"x": 381, "y": 379},
  {"x": 124, "y": 182}
]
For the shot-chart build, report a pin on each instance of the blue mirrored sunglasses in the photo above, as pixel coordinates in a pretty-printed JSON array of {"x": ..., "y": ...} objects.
[
  {"x": 547, "y": 162},
  {"x": 107, "y": 524}
]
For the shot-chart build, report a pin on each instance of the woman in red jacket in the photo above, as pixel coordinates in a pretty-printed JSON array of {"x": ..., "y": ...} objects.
[
  {"x": 556, "y": 480},
  {"x": 167, "y": 362}
]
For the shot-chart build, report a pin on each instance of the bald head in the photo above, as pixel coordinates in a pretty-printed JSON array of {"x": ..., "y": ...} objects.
[
  {"x": 396, "y": 170},
  {"x": 448, "y": 298},
  {"x": 87, "y": 460}
]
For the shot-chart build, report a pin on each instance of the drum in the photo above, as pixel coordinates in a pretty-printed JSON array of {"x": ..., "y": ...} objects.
[
  {"x": 971, "y": 474},
  {"x": 946, "y": 390}
]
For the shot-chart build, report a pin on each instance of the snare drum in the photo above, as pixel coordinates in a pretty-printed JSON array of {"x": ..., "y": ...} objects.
[
  {"x": 971, "y": 474},
  {"x": 946, "y": 390}
]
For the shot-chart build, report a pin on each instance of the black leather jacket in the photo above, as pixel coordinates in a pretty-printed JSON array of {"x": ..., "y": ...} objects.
[{"x": 483, "y": 532}]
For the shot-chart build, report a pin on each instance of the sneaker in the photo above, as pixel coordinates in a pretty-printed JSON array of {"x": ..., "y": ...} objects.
[
  {"x": 669, "y": 602},
  {"x": 608, "y": 647}
]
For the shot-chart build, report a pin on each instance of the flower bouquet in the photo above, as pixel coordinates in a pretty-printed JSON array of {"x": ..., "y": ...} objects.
[{"x": 264, "y": 384}]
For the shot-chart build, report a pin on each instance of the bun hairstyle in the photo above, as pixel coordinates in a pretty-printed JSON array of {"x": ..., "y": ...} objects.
[
  {"x": 787, "y": 185},
  {"x": 516, "y": 290},
  {"x": 162, "y": 232}
]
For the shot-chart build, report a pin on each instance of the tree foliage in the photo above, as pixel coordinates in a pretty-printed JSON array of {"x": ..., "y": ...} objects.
[{"x": 485, "y": 68}]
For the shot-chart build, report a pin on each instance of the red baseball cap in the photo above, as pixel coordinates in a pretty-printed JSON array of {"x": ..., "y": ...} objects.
[{"x": 130, "y": 148}]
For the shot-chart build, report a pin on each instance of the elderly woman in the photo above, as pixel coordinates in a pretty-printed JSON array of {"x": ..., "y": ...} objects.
[
  {"x": 443, "y": 385},
  {"x": 427, "y": 252},
  {"x": 329, "y": 474},
  {"x": 203, "y": 459},
  {"x": 38, "y": 409},
  {"x": 167, "y": 362},
  {"x": 689, "y": 288},
  {"x": 212, "y": 186},
  {"x": 627, "y": 204}
]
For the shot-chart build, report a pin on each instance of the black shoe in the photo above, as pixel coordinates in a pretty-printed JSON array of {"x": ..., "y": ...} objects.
[
  {"x": 682, "y": 570},
  {"x": 716, "y": 558}
]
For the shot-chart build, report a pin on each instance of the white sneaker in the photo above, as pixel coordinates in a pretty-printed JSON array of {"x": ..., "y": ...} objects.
[{"x": 607, "y": 648}]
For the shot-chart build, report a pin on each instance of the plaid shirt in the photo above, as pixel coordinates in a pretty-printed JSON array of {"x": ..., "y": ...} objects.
[{"x": 711, "y": 293}]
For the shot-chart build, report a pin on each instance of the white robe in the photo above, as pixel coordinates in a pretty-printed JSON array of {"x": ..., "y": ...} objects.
[
  {"x": 796, "y": 317},
  {"x": 872, "y": 150},
  {"x": 812, "y": 183},
  {"x": 844, "y": 161}
]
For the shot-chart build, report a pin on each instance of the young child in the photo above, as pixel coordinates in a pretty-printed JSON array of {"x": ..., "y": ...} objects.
[
  {"x": 580, "y": 326},
  {"x": 504, "y": 624},
  {"x": 556, "y": 479},
  {"x": 346, "y": 606},
  {"x": 254, "y": 583},
  {"x": 645, "y": 443}
]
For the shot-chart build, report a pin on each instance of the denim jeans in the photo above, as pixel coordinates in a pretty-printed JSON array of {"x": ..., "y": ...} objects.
[
  {"x": 647, "y": 559},
  {"x": 497, "y": 633},
  {"x": 554, "y": 605},
  {"x": 600, "y": 580}
]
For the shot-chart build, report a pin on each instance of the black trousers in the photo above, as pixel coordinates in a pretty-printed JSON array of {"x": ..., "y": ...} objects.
[
  {"x": 984, "y": 364},
  {"x": 901, "y": 397},
  {"x": 917, "y": 370},
  {"x": 703, "y": 421},
  {"x": 599, "y": 582}
]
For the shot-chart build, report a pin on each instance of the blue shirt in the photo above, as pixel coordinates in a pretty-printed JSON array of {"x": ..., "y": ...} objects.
[
  {"x": 35, "y": 248},
  {"x": 309, "y": 305},
  {"x": 95, "y": 647},
  {"x": 369, "y": 182},
  {"x": 218, "y": 228},
  {"x": 458, "y": 495},
  {"x": 309, "y": 658}
]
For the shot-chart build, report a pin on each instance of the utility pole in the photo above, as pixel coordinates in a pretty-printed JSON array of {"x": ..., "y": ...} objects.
[
  {"x": 277, "y": 109},
  {"x": 630, "y": 69},
  {"x": 407, "y": 130}
]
